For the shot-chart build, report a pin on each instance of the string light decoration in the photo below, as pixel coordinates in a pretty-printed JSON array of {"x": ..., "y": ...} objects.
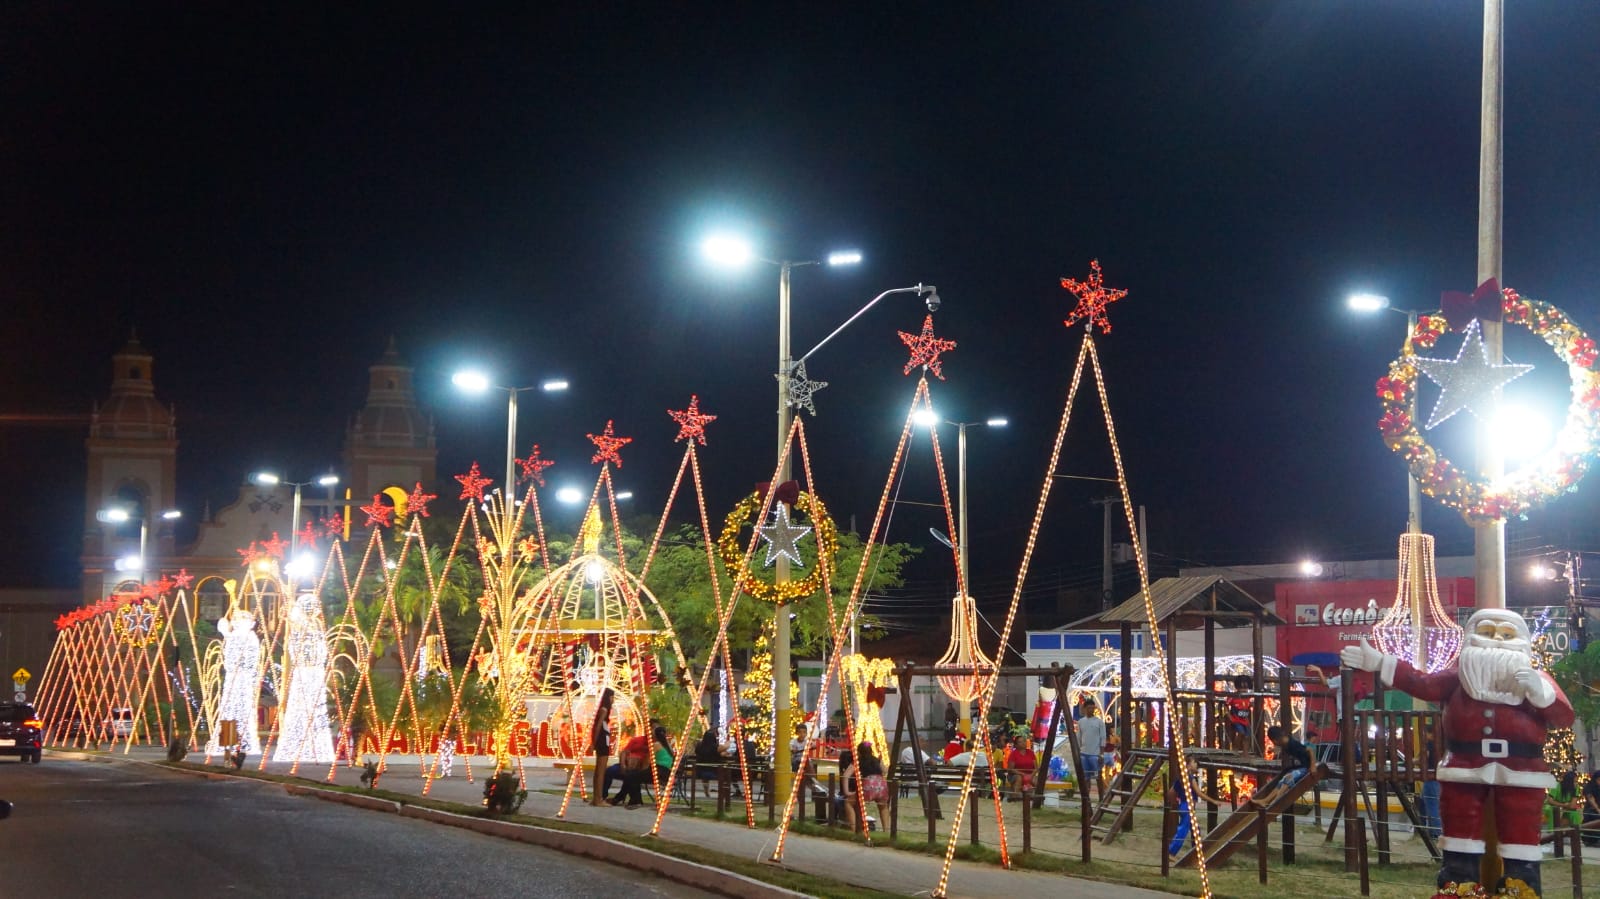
[
  {"x": 1092, "y": 301},
  {"x": 926, "y": 348},
  {"x": 1514, "y": 494},
  {"x": 1468, "y": 380},
  {"x": 139, "y": 623},
  {"x": 1093, "y": 298},
  {"x": 607, "y": 444},
  {"x": 782, "y": 537},
  {"x": 964, "y": 651},
  {"x": 1397, "y": 634},
  {"x": 473, "y": 484},
  {"x": 866, "y": 680},
  {"x": 802, "y": 389},
  {"x": 417, "y": 501},
  {"x": 691, "y": 421},
  {"x": 1102, "y": 680},
  {"x": 736, "y": 563},
  {"x": 1560, "y": 743},
  {"x": 379, "y": 513},
  {"x": 533, "y": 467},
  {"x": 304, "y": 735}
]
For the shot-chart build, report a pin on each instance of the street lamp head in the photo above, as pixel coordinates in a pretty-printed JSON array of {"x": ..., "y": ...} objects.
[
  {"x": 112, "y": 516},
  {"x": 302, "y": 565},
  {"x": 1311, "y": 568},
  {"x": 555, "y": 385},
  {"x": 470, "y": 381},
  {"x": 172, "y": 514},
  {"x": 327, "y": 480},
  {"x": 130, "y": 563},
  {"x": 925, "y": 418},
  {"x": 624, "y": 496},
  {"x": 569, "y": 495},
  {"x": 1539, "y": 571},
  {"x": 997, "y": 422},
  {"x": 1368, "y": 302},
  {"x": 266, "y": 478},
  {"x": 844, "y": 257},
  {"x": 727, "y": 250}
]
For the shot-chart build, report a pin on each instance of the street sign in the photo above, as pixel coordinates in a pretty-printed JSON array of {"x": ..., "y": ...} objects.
[
  {"x": 21, "y": 676},
  {"x": 20, "y": 696}
]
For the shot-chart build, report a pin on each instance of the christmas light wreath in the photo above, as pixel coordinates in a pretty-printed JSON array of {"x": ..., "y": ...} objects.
[
  {"x": 138, "y": 623},
  {"x": 1552, "y": 474},
  {"x": 732, "y": 553}
]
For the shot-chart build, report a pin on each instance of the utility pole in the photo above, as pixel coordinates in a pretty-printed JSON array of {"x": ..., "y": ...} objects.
[
  {"x": 1489, "y": 538},
  {"x": 1105, "y": 504}
]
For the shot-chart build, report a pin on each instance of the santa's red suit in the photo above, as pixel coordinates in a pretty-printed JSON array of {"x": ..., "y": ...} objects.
[{"x": 1494, "y": 752}]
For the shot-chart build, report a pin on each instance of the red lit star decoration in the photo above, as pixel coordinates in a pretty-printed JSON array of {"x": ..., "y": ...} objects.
[
  {"x": 533, "y": 467},
  {"x": 309, "y": 533},
  {"x": 608, "y": 444},
  {"x": 691, "y": 421},
  {"x": 378, "y": 514},
  {"x": 274, "y": 547},
  {"x": 1093, "y": 298},
  {"x": 925, "y": 348},
  {"x": 182, "y": 579},
  {"x": 472, "y": 483},
  {"x": 417, "y": 502}
]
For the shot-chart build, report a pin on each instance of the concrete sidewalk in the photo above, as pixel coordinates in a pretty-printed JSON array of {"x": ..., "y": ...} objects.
[{"x": 878, "y": 867}]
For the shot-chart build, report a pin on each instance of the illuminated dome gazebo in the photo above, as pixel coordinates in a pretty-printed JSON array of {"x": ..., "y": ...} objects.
[{"x": 591, "y": 624}]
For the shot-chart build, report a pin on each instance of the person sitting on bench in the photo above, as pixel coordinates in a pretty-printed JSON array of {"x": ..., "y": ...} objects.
[{"x": 1296, "y": 764}]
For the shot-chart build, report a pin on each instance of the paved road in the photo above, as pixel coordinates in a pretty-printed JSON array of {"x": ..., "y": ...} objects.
[{"x": 94, "y": 829}]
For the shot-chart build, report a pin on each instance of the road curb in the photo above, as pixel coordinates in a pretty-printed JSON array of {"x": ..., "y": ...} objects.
[
  {"x": 599, "y": 848},
  {"x": 72, "y": 755}
]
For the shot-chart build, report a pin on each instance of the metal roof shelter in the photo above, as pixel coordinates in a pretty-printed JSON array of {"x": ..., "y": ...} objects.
[{"x": 1202, "y": 601}]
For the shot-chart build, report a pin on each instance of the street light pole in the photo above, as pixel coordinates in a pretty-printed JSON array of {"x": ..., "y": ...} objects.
[
  {"x": 511, "y": 449},
  {"x": 1489, "y": 538},
  {"x": 782, "y": 713}
]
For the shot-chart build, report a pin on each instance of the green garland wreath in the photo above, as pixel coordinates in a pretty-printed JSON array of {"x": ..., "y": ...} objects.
[
  {"x": 1516, "y": 493},
  {"x": 732, "y": 552}
]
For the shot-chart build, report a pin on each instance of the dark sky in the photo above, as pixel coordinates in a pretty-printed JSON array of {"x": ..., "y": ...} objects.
[{"x": 267, "y": 194}]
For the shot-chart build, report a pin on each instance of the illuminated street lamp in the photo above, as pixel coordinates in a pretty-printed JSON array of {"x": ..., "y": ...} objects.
[
  {"x": 476, "y": 382},
  {"x": 733, "y": 251},
  {"x": 120, "y": 515},
  {"x": 273, "y": 479}
]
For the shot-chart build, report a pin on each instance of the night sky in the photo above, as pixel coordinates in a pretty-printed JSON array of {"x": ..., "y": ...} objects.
[{"x": 268, "y": 194}]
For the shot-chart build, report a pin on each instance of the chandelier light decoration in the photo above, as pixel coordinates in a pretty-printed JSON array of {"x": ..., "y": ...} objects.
[
  {"x": 1435, "y": 644},
  {"x": 964, "y": 652}
]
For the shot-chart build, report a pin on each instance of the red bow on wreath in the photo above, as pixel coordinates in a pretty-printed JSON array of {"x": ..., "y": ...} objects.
[
  {"x": 1460, "y": 309},
  {"x": 787, "y": 493}
]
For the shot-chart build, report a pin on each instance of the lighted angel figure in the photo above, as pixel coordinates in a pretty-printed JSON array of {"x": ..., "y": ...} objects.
[
  {"x": 241, "y": 681},
  {"x": 305, "y": 736}
]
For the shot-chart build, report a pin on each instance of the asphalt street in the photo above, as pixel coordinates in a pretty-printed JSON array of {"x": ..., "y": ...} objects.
[{"x": 95, "y": 829}]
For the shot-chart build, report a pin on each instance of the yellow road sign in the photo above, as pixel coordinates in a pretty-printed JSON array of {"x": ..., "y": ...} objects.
[{"x": 21, "y": 675}]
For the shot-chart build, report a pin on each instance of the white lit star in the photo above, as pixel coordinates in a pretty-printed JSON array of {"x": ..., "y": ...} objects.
[
  {"x": 781, "y": 536},
  {"x": 1469, "y": 380}
]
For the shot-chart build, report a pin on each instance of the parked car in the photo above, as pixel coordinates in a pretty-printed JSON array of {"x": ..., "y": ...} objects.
[
  {"x": 120, "y": 724},
  {"x": 21, "y": 731}
]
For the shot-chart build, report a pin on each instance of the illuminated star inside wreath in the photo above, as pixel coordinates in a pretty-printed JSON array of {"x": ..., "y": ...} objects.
[
  {"x": 533, "y": 467},
  {"x": 1468, "y": 380},
  {"x": 925, "y": 348},
  {"x": 417, "y": 501},
  {"x": 782, "y": 535},
  {"x": 378, "y": 514},
  {"x": 472, "y": 483},
  {"x": 691, "y": 421},
  {"x": 1093, "y": 298},
  {"x": 608, "y": 444},
  {"x": 801, "y": 388}
]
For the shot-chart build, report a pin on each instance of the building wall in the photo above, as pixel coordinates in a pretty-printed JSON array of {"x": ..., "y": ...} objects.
[{"x": 27, "y": 631}]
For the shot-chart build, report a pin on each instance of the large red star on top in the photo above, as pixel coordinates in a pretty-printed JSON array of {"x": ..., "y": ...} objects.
[
  {"x": 533, "y": 467},
  {"x": 378, "y": 513},
  {"x": 183, "y": 579},
  {"x": 472, "y": 483},
  {"x": 691, "y": 421},
  {"x": 608, "y": 444},
  {"x": 333, "y": 525},
  {"x": 925, "y": 348},
  {"x": 417, "y": 502},
  {"x": 1093, "y": 297}
]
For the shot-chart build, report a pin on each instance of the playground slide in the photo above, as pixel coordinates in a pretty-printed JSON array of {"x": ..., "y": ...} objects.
[{"x": 1240, "y": 828}]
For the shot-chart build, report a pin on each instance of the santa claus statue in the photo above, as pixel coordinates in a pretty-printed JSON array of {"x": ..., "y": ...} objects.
[{"x": 1497, "y": 710}]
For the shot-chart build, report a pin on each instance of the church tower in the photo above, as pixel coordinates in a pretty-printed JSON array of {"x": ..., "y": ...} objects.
[
  {"x": 390, "y": 442},
  {"x": 133, "y": 452}
]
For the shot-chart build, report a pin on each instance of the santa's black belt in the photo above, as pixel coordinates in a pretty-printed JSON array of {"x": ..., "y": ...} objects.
[{"x": 1497, "y": 749}]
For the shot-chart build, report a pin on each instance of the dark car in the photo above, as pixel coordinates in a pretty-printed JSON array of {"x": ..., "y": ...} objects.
[{"x": 21, "y": 731}]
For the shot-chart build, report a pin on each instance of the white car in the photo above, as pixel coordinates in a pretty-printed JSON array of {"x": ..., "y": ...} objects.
[{"x": 120, "y": 724}]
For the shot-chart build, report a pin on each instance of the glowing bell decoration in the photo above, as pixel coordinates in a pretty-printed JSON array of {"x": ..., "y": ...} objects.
[
  {"x": 964, "y": 652},
  {"x": 1416, "y": 627}
]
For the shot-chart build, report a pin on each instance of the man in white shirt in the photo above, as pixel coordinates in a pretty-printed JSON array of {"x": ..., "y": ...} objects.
[{"x": 1091, "y": 737}]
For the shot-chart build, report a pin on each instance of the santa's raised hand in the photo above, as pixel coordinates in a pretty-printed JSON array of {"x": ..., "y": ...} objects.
[
  {"x": 1362, "y": 658},
  {"x": 1536, "y": 687}
]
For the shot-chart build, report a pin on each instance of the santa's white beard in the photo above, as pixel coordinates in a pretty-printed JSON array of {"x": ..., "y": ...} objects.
[{"x": 1489, "y": 672}]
